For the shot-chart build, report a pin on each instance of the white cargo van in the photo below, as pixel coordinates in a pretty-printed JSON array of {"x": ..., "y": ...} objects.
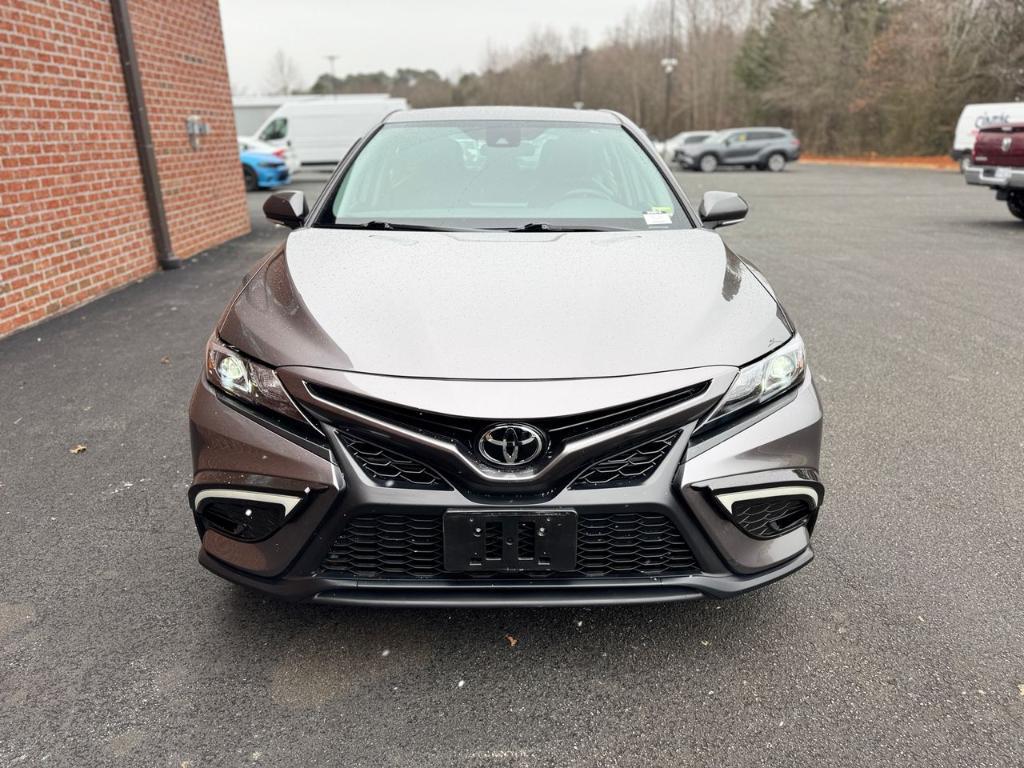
[
  {"x": 978, "y": 116},
  {"x": 320, "y": 132}
]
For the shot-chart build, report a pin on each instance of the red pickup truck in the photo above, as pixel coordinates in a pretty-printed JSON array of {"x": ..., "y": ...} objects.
[{"x": 998, "y": 162}]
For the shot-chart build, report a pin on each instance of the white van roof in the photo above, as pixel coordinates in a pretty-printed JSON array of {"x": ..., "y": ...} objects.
[
  {"x": 977, "y": 116},
  {"x": 342, "y": 106},
  {"x": 276, "y": 101}
]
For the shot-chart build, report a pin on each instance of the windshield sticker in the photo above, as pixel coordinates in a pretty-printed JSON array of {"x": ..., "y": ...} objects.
[{"x": 657, "y": 216}]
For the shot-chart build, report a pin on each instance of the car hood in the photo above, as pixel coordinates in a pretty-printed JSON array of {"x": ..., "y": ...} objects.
[{"x": 500, "y": 306}]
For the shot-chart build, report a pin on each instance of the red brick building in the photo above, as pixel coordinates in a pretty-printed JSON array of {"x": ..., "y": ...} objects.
[{"x": 74, "y": 219}]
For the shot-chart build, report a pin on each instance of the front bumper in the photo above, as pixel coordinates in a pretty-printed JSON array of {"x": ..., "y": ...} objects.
[
  {"x": 684, "y": 160},
  {"x": 994, "y": 177},
  {"x": 273, "y": 176},
  {"x": 234, "y": 449}
]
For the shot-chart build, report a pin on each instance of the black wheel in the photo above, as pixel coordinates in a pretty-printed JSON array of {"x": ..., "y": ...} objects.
[
  {"x": 252, "y": 183},
  {"x": 1015, "y": 202},
  {"x": 708, "y": 163},
  {"x": 776, "y": 162}
]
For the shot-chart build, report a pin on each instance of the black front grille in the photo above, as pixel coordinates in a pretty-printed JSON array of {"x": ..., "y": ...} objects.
[
  {"x": 464, "y": 431},
  {"x": 767, "y": 518},
  {"x": 390, "y": 469},
  {"x": 631, "y": 544},
  {"x": 397, "y": 546},
  {"x": 608, "y": 544},
  {"x": 630, "y": 467}
]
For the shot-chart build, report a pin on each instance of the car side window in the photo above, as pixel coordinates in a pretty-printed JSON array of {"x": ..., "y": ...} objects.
[
  {"x": 694, "y": 139},
  {"x": 276, "y": 129},
  {"x": 738, "y": 138}
]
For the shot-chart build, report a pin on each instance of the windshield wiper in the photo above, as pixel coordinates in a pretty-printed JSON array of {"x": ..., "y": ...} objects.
[
  {"x": 399, "y": 227},
  {"x": 542, "y": 227}
]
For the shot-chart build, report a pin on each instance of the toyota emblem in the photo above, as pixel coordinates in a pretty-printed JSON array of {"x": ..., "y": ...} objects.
[{"x": 511, "y": 445}]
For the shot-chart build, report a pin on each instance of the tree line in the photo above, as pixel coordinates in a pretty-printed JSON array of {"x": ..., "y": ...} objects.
[{"x": 850, "y": 76}]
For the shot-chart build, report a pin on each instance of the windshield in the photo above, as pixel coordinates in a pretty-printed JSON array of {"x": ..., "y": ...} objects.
[{"x": 504, "y": 175}]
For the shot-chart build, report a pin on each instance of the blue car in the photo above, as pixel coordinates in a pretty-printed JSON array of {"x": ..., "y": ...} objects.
[{"x": 262, "y": 170}]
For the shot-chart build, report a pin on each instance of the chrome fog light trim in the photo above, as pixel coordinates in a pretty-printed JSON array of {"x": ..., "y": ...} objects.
[
  {"x": 728, "y": 499},
  {"x": 288, "y": 502}
]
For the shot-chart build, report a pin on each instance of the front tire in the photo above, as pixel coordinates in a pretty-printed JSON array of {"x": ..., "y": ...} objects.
[
  {"x": 708, "y": 164},
  {"x": 1015, "y": 202},
  {"x": 776, "y": 162},
  {"x": 252, "y": 182}
]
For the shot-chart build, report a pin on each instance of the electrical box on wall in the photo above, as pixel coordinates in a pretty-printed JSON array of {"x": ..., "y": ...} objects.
[{"x": 195, "y": 127}]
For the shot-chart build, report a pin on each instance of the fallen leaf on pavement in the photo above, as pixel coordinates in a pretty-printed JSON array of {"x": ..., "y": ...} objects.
[
  {"x": 78, "y": 448},
  {"x": 165, "y": 360},
  {"x": 511, "y": 641}
]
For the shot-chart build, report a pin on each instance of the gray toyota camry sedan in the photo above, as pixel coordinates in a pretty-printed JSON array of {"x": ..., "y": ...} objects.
[{"x": 501, "y": 360}]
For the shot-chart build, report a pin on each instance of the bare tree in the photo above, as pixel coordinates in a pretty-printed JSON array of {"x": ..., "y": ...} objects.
[
  {"x": 283, "y": 75},
  {"x": 850, "y": 76}
]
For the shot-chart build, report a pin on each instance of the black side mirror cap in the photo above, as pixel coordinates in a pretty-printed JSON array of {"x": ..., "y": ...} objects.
[
  {"x": 286, "y": 208},
  {"x": 720, "y": 209}
]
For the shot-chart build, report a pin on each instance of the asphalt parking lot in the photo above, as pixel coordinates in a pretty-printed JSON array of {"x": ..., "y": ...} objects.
[{"x": 902, "y": 644}]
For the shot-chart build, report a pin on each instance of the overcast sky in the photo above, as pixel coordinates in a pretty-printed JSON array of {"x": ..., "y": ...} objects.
[{"x": 449, "y": 36}]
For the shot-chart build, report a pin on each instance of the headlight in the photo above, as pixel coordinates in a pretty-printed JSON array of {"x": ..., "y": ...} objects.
[
  {"x": 762, "y": 381},
  {"x": 247, "y": 380}
]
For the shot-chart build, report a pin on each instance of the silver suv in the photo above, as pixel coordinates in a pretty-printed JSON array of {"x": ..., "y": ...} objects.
[{"x": 767, "y": 149}]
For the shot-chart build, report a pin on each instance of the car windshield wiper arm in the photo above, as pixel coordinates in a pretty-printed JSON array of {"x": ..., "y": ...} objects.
[
  {"x": 399, "y": 227},
  {"x": 542, "y": 227}
]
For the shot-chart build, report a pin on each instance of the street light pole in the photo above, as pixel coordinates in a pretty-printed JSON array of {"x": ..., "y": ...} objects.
[
  {"x": 669, "y": 64},
  {"x": 334, "y": 80},
  {"x": 578, "y": 86}
]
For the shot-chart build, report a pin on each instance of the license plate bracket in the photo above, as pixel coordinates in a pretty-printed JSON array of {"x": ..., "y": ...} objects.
[{"x": 509, "y": 540}]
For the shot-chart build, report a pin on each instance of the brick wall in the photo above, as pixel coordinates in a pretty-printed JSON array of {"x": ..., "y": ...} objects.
[
  {"x": 73, "y": 217},
  {"x": 184, "y": 72}
]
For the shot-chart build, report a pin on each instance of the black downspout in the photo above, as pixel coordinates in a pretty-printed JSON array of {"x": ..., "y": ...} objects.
[{"x": 143, "y": 139}]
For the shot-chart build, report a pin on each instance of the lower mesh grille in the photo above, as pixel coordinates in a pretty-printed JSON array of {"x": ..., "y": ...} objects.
[
  {"x": 767, "y": 518},
  {"x": 614, "y": 544},
  {"x": 390, "y": 469},
  {"x": 631, "y": 544},
  {"x": 630, "y": 467},
  {"x": 388, "y": 545}
]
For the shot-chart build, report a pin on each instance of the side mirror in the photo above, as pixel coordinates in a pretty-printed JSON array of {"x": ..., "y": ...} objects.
[
  {"x": 287, "y": 208},
  {"x": 720, "y": 209}
]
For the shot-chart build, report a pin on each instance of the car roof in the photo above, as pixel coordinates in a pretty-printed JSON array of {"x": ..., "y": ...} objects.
[
  {"x": 756, "y": 128},
  {"x": 552, "y": 114}
]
